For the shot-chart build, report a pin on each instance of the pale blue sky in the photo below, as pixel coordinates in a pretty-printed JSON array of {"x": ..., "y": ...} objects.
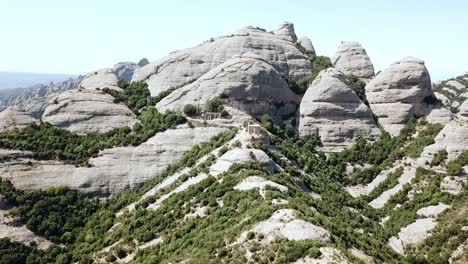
[{"x": 64, "y": 36}]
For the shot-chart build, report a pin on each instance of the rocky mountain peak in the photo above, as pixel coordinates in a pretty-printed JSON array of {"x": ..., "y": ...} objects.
[
  {"x": 352, "y": 59},
  {"x": 286, "y": 31}
]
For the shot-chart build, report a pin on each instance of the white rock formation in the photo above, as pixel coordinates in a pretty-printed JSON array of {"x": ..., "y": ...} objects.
[
  {"x": 286, "y": 31},
  {"x": 412, "y": 234},
  {"x": 240, "y": 156},
  {"x": 453, "y": 184},
  {"x": 13, "y": 117},
  {"x": 114, "y": 170},
  {"x": 401, "y": 92},
  {"x": 306, "y": 43},
  {"x": 189, "y": 64},
  {"x": 257, "y": 182},
  {"x": 247, "y": 83},
  {"x": 408, "y": 174},
  {"x": 87, "y": 111},
  {"x": 433, "y": 210},
  {"x": 283, "y": 223},
  {"x": 352, "y": 59},
  {"x": 361, "y": 189},
  {"x": 333, "y": 108},
  {"x": 453, "y": 138},
  {"x": 20, "y": 233},
  {"x": 100, "y": 79}
]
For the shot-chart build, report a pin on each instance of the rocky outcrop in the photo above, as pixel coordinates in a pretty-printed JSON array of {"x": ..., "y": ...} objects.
[
  {"x": 333, "y": 109},
  {"x": 113, "y": 170},
  {"x": 246, "y": 83},
  {"x": 240, "y": 156},
  {"x": 401, "y": 92},
  {"x": 87, "y": 111},
  {"x": 454, "y": 91},
  {"x": 143, "y": 62},
  {"x": 352, "y": 59},
  {"x": 100, "y": 79},
  {"x": 13, "y": 117},
  {"x": 283, "y": 224},
  {"x": 189, "y": 64},
  {"x": 286, "y": 31},
  {"x": 35, "y": 99},
  {"x": 124, "y": 70},
  {"x": 412, "y": 234},
  {"x": 306, "y": 43}
]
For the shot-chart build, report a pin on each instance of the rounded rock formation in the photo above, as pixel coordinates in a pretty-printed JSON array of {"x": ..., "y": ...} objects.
[
  {"x": 190, "y": 64},
  {"x": 352, "y": 59},
  {"x": 87, "y": 112},
  {"x": 13, "y": 117},
  {"x": 401, "y": 92},
  {"x": 100, "y": 79},
  {"x": 246, "y": 83},
  {"x": 333, "y": 109}
]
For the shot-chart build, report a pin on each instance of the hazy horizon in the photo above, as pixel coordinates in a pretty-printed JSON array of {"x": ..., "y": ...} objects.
[{"x": 76, "y": 37}]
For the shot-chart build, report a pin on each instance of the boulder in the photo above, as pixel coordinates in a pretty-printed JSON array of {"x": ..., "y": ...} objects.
[
  {"x": 189, "y": 64},
  {"x": 100, "y": 79},
  {"x": 124, "y": 70},
  {"x": 333, "y": 109},
  {"x": 113, "y": 170},
  {"x": 401, "y": 92},
  {"x": 286, "y": 31},
  {"x": 247, "y": 83},
  {"x": 14, "y": 117},
  {"x": 87, "y": 111},
  {"x": 306, "y": 43},
  {"x": 352, "y": 59},
  {"x": 463, "y": 110}
]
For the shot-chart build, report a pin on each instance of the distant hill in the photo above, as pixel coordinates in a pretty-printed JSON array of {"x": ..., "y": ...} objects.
[{"x": 13, "y": 80}]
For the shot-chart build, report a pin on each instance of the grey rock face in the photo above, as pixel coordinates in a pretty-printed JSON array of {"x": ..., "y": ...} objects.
[
  {"x": 35, "y": 99},
  {"x": 143, "y": 62},
  {"x": 306, "y": 43},
  {"x": 401, "y": 92},
  {"x": 124, "y": 70},
  {"x": 100, "y": 79},
  {"x": 352, "y": 59},
  {"x": 246, "y": 82},
  {"x": 190, "y": 64},
  {"x": 87, "y": 111},
  {"x": 114, "y": 170},
  {"x": 286, "y": 31},
  {"x": 333, "y": 108},
  {"x": 454, "y": 90},
  {"x": 13, "y": 117}
]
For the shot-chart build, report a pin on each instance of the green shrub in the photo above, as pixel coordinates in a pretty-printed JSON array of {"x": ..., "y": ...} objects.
[
  {"x": 214, "y": 105},
  {"x": 191, "y": 110},
  {"x": 439, "y": 158}
]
